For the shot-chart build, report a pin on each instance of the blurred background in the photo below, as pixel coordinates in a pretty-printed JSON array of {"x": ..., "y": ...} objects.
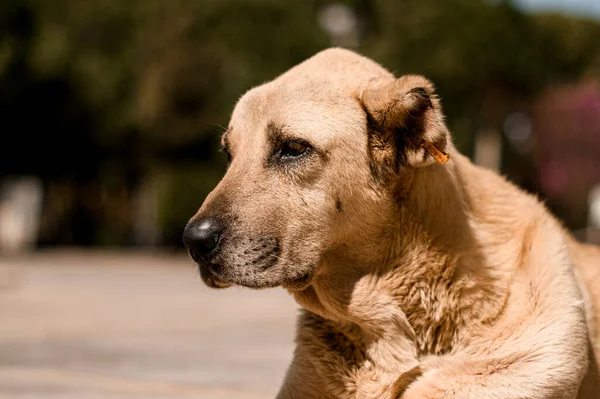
[{"x": 111, "y": 111}]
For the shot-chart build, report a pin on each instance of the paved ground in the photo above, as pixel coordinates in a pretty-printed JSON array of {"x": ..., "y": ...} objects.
[{"x": 82, "y": 325}]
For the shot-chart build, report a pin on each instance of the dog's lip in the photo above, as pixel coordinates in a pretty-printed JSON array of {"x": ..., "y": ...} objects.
[
  {"x": 218, "y": 283},
  {"x": 216, "y": 278},
  {"x": 299, "y": 283},
  {"x": 210, "y": 277}
]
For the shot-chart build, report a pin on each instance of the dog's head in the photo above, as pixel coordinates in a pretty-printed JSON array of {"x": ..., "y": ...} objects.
[{"x": 318, "y": 158}]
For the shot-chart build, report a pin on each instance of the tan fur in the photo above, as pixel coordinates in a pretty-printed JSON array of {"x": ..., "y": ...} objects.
[{"x": 417, "y": 280}]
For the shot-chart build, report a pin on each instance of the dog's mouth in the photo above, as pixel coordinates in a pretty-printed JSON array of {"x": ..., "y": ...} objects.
[
  {"x": 300, "y": 283},
  {"x": 219, "y": 276},
  {"x": 213, "y": 279},
  {"x": 210, "y": 278}
]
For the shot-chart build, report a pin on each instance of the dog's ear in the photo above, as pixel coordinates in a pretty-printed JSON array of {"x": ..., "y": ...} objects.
[{"x": 405, "y": 123}]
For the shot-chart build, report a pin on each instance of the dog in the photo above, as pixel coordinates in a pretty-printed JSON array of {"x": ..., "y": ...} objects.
[{"x": 419, "y": 274}]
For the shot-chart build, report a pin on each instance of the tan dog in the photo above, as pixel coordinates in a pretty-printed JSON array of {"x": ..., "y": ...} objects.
[{"x": 418, "y": 279}]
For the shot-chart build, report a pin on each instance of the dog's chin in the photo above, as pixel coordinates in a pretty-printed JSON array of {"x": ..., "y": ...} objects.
[
  {"x": 219, "y": 279},
  {"x": 297, "y": 284},
  {"x": 291, "y": 284},
  {"x": 262, "y": 282}
]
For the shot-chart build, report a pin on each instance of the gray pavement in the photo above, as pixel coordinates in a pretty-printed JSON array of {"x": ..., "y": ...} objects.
[{"x": 116, "y": 325}]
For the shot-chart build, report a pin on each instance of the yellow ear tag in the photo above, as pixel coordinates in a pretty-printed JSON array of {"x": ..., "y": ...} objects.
[{"x": 439, "y": 156}]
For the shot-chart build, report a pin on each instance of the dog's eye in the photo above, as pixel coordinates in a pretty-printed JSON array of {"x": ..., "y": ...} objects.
[
  {"x": 293, "y": 149},
  {"x": 227, "y": 154}
]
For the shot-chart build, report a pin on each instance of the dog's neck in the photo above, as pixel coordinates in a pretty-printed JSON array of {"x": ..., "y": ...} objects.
[{"x": 424, "y": 266}]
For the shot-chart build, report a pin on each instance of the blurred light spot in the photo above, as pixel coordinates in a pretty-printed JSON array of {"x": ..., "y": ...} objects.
[
  {"x": 594, "y": 204},
  {"x": 20, "y": 209},
  {"x": 340, "y": 22},
  {"x": 554, "y": 178},
  {"x": 517, "y": 128},
  {"x": 488, "y": 149}
]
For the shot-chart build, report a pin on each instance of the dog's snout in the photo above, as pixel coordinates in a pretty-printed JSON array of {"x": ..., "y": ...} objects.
[{"x": 202, "y": 236}]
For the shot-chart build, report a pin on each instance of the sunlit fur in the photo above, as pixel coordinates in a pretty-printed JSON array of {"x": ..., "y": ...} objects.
[{"x": 418, "y": 280}]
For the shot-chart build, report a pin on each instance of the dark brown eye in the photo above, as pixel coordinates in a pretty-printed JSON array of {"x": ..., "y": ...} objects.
[
  {"x": 227, "y": 154},
  {"x": 293, "y": 149}
]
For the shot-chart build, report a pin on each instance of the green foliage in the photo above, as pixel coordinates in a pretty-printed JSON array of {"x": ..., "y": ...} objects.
[
  {"x": 185, "y": 185},
  {"x": 148, "y": 79},
  {"x": 169, "y": 68}
]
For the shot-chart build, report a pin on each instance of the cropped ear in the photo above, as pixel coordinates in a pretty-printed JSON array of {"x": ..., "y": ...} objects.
[{"x": 405, "y": 123}]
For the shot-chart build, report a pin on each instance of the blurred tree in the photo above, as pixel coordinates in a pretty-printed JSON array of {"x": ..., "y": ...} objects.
[
  {"x": 488, "y": 61},
  {"x": 567, "y": 131},
  {"x": 117, "y": 91},
  {"x": 118, "y": 94},
  {"x": 482, "y": 55}
]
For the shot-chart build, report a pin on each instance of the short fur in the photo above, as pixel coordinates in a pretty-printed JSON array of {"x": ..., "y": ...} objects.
[{"x": 418, "y": 280}]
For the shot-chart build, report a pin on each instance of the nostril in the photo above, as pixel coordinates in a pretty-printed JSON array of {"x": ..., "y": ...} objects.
[
  {"x": 194, "y": 256},
  {"x": 207, "y": 242},
  {"x": 202, "y": 236}
]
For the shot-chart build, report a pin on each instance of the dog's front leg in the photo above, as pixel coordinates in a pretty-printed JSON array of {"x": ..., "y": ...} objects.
[
  {"x": 331, "y": 362},
  {"x": 324, "y": 362},
  {"x": 303, "y": 381},
  {"x": 332, "y": 376},
  {"x": 389, "y": 339},
  {"x": 384, "y": 383},
  {"x": 390, "y": 367},
  {"x": 507, "y": 375}
]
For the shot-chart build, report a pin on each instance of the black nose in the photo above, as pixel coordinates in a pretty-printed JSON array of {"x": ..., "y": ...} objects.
[{"x": 202, "y": 236}]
